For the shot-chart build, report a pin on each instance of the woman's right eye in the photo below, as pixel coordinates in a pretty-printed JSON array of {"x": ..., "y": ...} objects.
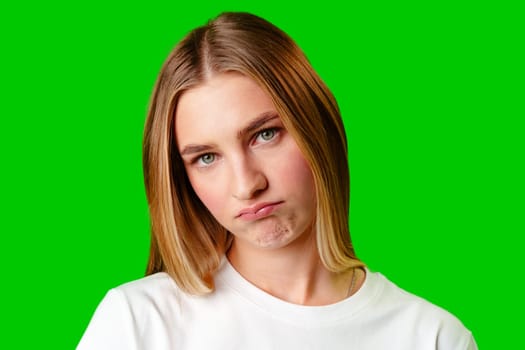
[{"x": 206, "y": 159}]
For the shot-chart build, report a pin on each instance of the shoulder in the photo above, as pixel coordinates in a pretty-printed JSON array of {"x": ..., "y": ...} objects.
[
  {"x": 131, "y": 310},
  {"x": 150, "y": 294},
  {"x": 148, "y": 287},
  {"x": 426, "y": 319}
]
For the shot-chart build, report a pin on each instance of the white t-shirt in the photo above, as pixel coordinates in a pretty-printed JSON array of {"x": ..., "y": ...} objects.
[{"x": 154, "y": 314}]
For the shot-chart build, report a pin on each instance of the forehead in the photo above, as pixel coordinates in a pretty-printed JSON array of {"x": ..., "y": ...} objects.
[{"x": 224, "y": 103}]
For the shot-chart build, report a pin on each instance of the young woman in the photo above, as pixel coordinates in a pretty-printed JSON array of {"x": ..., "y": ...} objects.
[{"x": 246, "y": 173}]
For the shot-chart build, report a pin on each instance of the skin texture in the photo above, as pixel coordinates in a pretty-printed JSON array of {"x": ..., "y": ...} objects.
[
  {"x": 239, "y": 159},
  {"x": 241, "y": 170}
]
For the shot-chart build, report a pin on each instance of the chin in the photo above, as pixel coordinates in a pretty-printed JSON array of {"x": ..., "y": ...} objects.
[
  {"x": 274, "y": 239},
  {"x": 274, "y": 235}
]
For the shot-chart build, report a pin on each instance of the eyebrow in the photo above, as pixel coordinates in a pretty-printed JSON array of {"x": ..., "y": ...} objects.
[
  {"x": 257, "y": 123},
  {"x": 191, "y": 149},
  {"x": 251, "y": 127}
]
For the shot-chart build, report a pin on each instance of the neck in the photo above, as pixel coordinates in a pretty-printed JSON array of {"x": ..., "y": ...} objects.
[{"x": 293, "y": 273}]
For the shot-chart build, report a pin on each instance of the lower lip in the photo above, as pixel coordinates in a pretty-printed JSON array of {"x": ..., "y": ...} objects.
[{"x": 261, "y": 213}]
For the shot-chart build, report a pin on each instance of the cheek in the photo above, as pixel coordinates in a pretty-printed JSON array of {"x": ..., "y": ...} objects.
[
  {"x": 296, "y": 174},
  {"x": 210, "y": 194}
]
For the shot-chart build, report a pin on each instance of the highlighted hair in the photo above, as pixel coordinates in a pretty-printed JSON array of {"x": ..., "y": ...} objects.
[{"x": 186, "y": 240}]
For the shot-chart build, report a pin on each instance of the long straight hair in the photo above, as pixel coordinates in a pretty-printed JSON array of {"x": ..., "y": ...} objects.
[{"x": 186, "y": 240}]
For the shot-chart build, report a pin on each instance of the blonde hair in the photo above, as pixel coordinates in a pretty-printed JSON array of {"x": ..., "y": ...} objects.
[{"x": 187, "y": 242}]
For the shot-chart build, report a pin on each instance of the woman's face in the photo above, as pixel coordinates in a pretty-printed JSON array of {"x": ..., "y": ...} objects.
[{"x": 242, "y": 163}]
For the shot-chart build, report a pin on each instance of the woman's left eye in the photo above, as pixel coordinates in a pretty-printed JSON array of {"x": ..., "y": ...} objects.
[{"x": 267, "y": 134}]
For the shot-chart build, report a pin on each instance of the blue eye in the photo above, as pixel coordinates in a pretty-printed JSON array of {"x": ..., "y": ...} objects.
[{"x": 207, "y": 158}]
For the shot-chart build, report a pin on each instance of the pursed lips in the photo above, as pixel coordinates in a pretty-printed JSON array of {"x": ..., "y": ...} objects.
[{"x": 258, "y": 210}]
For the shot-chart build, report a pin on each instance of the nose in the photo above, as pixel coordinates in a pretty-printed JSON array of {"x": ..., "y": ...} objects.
[{"x": 248, "y": 180}]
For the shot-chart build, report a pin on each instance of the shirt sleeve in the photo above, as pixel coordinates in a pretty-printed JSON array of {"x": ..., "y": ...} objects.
[
  {"x": 460, "y": 339},
  {"x": 111, "y": 327},
  {"x": 471, "y": 345}
]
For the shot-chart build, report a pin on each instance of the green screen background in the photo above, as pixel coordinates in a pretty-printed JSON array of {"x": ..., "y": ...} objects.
[{"x": 431, "y": 94}]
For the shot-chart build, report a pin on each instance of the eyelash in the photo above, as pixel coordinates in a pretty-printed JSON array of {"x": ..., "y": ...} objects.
[{"x": 275, "y": 130}]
